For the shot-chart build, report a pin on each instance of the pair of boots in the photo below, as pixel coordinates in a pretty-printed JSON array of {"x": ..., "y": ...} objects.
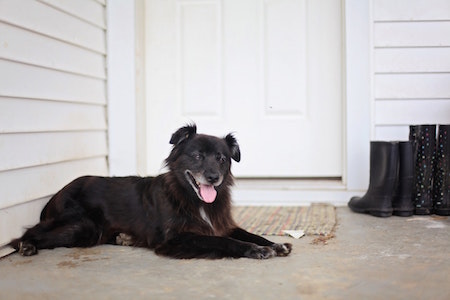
[{"x": 408, "y": 177}]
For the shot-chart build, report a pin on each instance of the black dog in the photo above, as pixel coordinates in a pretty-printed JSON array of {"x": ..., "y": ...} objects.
[{"x": 184, "y": 213}]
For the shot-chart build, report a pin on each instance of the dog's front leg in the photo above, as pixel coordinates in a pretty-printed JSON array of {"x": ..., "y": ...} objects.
[
  {"x": 189, "y": 245},
  {"x": 242, "y": 235}
]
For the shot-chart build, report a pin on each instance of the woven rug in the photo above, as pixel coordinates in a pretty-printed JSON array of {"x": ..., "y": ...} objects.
[{"x": 317, "y": 219}]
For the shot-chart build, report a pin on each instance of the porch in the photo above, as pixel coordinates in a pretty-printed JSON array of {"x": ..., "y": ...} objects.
[{"x": 369, "y": 258}]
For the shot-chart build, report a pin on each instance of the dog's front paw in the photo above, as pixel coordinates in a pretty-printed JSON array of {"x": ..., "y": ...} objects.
[
  {"x": 282, "y": 249},
  {"x": 27, "y": 249},
  {"x": 261, "y": 252}
]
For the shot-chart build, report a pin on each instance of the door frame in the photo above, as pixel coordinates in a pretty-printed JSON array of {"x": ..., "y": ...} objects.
[{"x": 356, "y": 97}]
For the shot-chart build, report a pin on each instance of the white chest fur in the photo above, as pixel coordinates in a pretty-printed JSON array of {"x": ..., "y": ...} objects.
[{"x": 205, "y": 217}]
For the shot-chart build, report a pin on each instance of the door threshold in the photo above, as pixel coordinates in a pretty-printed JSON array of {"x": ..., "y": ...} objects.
[
  {"x": 291, "y": 192},
  {"x": 291, "y": 183}
]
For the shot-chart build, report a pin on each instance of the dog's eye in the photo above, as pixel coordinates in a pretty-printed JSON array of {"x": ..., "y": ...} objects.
[
  {"x": 198, "y": 156},
  {"x": 220, "y": 158}
]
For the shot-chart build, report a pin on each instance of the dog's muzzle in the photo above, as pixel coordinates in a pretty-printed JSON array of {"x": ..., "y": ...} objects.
[{"x": 204, "y": 190}]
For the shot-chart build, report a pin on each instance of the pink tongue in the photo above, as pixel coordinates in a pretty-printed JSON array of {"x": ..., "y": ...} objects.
[{"x": 208, "y": 193}]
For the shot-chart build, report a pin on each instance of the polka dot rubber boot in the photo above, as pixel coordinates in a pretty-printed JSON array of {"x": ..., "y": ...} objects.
[
  {"x": 441, "y": 184},
  {"x": 424, "y": 139}
]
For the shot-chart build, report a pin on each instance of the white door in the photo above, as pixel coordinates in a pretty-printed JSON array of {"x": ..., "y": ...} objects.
[{"x": 268, "y": 70}]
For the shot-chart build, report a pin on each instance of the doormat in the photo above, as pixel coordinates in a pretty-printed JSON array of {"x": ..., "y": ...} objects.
[{"x": 317, "y": 219}]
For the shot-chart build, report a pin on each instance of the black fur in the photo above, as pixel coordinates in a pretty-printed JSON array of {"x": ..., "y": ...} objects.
[{"x": 184, "y": 213}]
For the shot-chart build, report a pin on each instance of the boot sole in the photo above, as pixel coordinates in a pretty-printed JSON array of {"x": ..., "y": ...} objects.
[
  {"x": 423, "y": 211},
  {"x": 442, "y": 212},
  {"x": 381, "y": 214},
  {"x": 373, "y": 212},
  {"x": 404, "y": 213}
]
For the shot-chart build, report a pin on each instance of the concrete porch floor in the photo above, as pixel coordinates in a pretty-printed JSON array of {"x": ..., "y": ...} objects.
[{"x": 370, "y": 258}]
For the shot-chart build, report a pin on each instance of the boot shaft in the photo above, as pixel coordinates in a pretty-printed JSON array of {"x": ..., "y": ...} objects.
[
  {"x": 383, "y": 167},
  {"x": 424, "y": 140},
  {"x": 402, "y": 200},
  {"x": 441, "y": 185}
]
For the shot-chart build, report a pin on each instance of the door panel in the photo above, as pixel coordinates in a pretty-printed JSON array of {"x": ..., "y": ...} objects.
[{"x": 269, "y": 71}]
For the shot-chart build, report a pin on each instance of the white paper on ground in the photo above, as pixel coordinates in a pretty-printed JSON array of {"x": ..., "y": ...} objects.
[
  {"x": 6, "y": 250},
  {"x": 296, "y": 234}
]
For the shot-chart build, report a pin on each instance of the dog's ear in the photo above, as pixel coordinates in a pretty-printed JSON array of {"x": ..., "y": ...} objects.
[
  {"x": 234, "y": 147},
  {"x": 183, "y": 134}
]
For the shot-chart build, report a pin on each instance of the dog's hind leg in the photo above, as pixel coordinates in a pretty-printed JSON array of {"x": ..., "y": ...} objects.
[{"x": 50, "y": 234}]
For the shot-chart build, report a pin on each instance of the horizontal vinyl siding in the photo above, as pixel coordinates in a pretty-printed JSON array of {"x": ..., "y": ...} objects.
[
  {"x": 51, "y": 53},
  {"x": 56, "y": 22},
  {"x": 49, "y": 148},
  {"x": 411, "y": 65},
  {"x": 411, "y": 10},
  {"x": 35, "y": 115},
  {"x": 53, "y": 123},
  {"x": 27, "y": 184},
  {"x": 28, "y": 81}
]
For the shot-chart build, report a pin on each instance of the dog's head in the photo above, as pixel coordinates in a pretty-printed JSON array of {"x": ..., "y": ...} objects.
[{"x": 202, "y": 162}]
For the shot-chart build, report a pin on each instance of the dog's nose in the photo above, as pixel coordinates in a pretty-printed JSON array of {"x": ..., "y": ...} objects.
[{"x": 212, "y": 178}]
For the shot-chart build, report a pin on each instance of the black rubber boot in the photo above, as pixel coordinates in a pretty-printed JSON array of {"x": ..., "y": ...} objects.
[
  {"x": 383, "y": 175},
  {"x": 402, "y": 200},
  {"x": 424, "y": 139},
  {"x": 441, "y": 184}
]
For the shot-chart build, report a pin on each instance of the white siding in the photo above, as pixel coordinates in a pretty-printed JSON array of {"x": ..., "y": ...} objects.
[
  {"x": 411, "y": 65},
  {"x": 52, "y": 102}
]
